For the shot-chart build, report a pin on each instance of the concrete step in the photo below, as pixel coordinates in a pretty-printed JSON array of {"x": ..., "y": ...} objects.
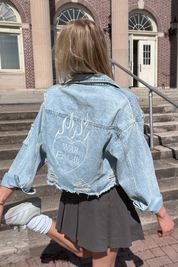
[
  {"x": 164, "y": 152},
  {"x": 170, "y": 94},
  {"x": 165, "y": 126},
  {"x": 24, "y": 245},
  {"x": 13, "y": 137},
  {"x": 167, "y": 137},
  {"x": 33, "y": 96},
  {"x": 161, "y": 108},
  {"x": 169, "y": 188},
  {"x": 156, "y": 98},
  {"x": 15, "y": 125},
  {"x": 159, "y": 117},
  {"x": 165, "y": 168},
  {"x": 145, "y": 89},
  {"x": 8, "y": 152},
  {"x": 163, "y": 138},
  {"x": 18, "y": 115}
]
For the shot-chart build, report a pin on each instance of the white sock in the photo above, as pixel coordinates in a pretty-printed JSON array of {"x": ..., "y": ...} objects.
[{"x": 40, "y": 224}]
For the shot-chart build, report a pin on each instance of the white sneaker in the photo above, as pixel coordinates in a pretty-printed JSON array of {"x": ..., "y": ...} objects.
[{"x": 21, "y": 214}]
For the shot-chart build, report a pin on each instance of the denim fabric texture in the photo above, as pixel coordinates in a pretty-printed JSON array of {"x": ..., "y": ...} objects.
[{"x": 90, "y": 132}]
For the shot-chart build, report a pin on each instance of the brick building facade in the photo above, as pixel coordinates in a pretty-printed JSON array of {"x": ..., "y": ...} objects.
[{"x": 31, "y": 33}]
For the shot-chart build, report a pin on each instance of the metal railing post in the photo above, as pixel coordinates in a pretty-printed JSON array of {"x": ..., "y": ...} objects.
[
  {"x": 152, "y": 89},
  {"x": 151, "y": 117},
  {"x": 113, "y": 69}
]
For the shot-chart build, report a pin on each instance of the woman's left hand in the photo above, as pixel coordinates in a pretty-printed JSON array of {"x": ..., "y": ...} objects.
[{"x": 165, "y": 222}]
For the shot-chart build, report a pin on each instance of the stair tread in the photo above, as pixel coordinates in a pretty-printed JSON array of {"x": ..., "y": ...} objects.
[
  {"x": 16, "y": 121},
  {"x": 165, "y": 163},
  {"x": 19, "y": 108},
  {"x": 167, "y": 147},
  {"x": 167, "y": 133},
  {"x": 10, "y": 147},
  {"x": 5, "y": 164},
  {"x": 162, "y": 123},
  {"x": 168, "y": 184},
  {"x": 163, "y": 114},
  {"x": 13, "y": 133}
]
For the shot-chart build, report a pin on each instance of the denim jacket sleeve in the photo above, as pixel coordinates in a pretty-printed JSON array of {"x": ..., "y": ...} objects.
[
  {"x": 30, "y": 158},
  {"x": 135, "y": 170}
]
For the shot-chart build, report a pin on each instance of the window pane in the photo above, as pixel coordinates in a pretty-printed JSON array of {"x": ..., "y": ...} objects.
[
  {"x": 146, "y": 54},
  {"x": 6, "y": 13},
  {"x": 9, "y": 51},
  {"x": 70, "y": 14},
  {"x": 140, "y": 22}
]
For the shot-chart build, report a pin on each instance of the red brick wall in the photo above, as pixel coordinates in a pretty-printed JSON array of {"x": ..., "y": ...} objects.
[
  {"x": 163, "y": 12},
  {"x": 23, "y": 7}
]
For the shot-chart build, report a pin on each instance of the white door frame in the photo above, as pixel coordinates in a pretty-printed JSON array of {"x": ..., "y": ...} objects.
[
  {"x": 147, "y": 37},
  {"x": 130, "y": 45}
]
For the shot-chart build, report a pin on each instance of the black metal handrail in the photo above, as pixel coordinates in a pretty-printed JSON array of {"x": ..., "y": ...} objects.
[{"x": 152, "y": 89}]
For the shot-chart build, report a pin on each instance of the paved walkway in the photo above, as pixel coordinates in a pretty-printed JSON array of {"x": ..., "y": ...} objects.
[{"x": 151, "y": 252}]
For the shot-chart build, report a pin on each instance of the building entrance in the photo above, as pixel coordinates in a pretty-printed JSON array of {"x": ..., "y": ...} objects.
[
  {"x": 142, "y": 49},
  {"x": 142, "y": 62}
]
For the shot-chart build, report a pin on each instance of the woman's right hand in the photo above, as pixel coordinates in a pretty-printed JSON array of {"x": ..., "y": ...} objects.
[{"x": 165, "y": 222}]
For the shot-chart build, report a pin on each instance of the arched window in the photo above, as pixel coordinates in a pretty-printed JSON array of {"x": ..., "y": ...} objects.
[
  {"x": 141, "y": 20},
  {"x": 70, "y": 14},
  {"x": 6, "y": 13},
  {"x": 10, "y": 38}
]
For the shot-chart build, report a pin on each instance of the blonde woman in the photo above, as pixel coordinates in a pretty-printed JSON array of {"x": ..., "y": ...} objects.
[{"x": 90, "y": 131}]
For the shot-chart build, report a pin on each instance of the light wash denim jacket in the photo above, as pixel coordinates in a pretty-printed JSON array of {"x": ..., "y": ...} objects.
[{"x": 91, "y": 133}]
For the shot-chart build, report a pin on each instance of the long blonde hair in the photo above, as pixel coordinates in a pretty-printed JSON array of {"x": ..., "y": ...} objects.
[{"x": 81, "y": 48}]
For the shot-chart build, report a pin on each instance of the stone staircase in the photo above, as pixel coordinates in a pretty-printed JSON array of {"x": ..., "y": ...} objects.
[
  {"x": 142, "y": 93},
  {"x": 15, "y": 123}
]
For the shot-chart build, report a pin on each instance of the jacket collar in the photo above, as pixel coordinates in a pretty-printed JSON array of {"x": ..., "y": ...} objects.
[{"x": 92, "y": 78}]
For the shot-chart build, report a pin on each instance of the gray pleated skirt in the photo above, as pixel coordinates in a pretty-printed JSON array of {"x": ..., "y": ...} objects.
[{"x": 99, "y": 222}]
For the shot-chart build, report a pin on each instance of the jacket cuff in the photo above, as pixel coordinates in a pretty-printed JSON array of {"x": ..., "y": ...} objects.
[
  {"x": 9, "y": 181},
  {"x": 154, "y": 205}
]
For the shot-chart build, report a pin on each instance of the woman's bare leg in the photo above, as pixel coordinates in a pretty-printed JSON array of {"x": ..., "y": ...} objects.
[
  {"x": 104, "y": 259},
  {"x": 67, "y": 243}
]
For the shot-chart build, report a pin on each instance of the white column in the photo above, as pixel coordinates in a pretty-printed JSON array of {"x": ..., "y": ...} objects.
[
  {"x": 120, "y": 39},
  {"x": 41, "y": 36}
]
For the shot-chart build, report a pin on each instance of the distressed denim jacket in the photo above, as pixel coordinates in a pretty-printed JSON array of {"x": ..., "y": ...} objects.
[{"x": 90, "y": 132}]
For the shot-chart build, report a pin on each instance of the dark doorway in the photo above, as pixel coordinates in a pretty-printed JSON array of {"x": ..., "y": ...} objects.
[{"x": 135, "y": 61}]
